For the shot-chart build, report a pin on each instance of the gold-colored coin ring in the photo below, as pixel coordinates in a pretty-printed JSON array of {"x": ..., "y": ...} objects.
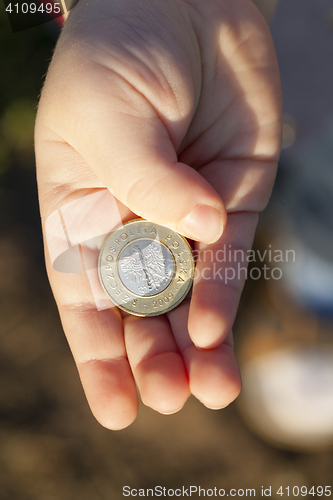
[{"x": 130, "y": 235}]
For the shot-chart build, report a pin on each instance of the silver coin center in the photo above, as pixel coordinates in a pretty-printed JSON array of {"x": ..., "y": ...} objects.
[{"x": 146, "y": 267}]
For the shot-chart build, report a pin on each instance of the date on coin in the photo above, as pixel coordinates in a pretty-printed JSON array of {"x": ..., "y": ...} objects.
[{"x": 146, "y": 269}]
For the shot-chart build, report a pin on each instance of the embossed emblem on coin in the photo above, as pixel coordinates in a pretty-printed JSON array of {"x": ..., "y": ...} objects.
[{"x": 146, "y": 269}]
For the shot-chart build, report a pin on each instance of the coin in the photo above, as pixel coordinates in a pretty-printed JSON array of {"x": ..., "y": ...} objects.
[{"x": 146, "y": 269}]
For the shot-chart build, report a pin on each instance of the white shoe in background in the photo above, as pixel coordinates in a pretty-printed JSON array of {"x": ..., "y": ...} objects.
[{"x": 287, "y": 396}]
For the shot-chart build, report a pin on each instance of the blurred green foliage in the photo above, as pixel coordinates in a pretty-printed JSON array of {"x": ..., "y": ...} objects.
[
  {"x": 24, "y": 58},
  {"x": 17, "y": 130}
]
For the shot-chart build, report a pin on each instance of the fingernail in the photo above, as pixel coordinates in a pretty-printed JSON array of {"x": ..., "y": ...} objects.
[
  {"x": 217, "y": 407},
  {"x": 170, "y": 412},
  {"x": 203, "y": 224}
]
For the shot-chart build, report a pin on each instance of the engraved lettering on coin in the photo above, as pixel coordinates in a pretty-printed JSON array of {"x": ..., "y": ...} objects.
[{"x": 146, "y": 267}]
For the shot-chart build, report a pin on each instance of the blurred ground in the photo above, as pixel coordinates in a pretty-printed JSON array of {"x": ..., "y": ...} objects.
[{"x": 51, "y": 448}]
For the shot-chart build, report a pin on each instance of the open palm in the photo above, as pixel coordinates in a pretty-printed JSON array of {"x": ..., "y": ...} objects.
[{"x": 174, "y": 106}]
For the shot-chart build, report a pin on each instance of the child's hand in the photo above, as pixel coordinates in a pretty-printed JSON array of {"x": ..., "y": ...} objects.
[{"x": 176, "y": 106}]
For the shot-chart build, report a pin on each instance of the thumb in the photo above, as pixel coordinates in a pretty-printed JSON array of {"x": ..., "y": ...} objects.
[
  {"x": 130, "y": 143},
  {"x": 135, "y": 157}
]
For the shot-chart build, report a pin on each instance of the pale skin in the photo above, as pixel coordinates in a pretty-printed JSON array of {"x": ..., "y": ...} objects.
[{"x": 176, "y": 106}]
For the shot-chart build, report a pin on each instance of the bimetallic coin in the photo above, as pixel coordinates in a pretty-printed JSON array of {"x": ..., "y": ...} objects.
[{"x": 146, "y": 269}]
